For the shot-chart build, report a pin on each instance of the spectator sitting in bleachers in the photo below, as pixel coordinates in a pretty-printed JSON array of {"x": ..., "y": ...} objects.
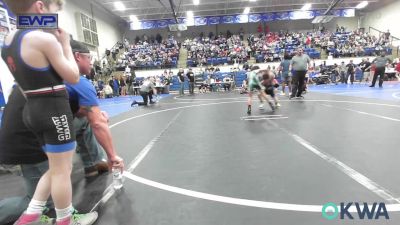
[
  {"x": 397, "y": 67},
  {"x": 350, "y": 44},
  {"x": 108, "y": 91},
  {"x": 216, "y": 51},
  {"x": 204, "y": 85},
  {"x": 271, "y": 46},
  {"x": 144, "y": 54},
  {"x": 227, "y": 83}
]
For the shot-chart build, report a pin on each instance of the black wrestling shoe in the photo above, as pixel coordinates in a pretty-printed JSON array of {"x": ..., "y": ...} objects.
[{"x": 272, "y": 106}]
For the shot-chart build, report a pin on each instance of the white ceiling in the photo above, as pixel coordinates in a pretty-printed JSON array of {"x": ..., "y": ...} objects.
[{"x": 161, "y": 9}]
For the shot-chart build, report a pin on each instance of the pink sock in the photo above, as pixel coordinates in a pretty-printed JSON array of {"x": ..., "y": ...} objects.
[
  {"x": 65, "y": 221},
  {"x": 28, "y": 218}
]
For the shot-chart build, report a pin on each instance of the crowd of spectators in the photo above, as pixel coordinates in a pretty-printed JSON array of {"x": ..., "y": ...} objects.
[
  {"x": 221, "y": 49},
  {"x": 273, "y": 45},
  {"x": 144, "y": 54},
  {"x": 352, "y": 44},
  {"x": 156, "y": 52}
]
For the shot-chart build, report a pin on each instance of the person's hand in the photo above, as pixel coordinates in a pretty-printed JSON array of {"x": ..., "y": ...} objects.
[
  {"x": 105, "y": 114},
  {"x": 62, "y": 36},
  {"x": 116, "y": 162}
]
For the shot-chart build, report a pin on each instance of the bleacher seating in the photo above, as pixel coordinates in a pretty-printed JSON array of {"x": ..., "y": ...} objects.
[
  {"x": 144, "y": 55},
  {"x": 353, "y": 44},
  {"x": 215, "y": 51}
]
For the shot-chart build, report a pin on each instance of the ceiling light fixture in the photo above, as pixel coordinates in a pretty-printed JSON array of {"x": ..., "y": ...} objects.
[
  {"x": 119, "y": 6},
  {"x": 306, "y": 7},
  {"x": 362, "y": 5},
  {"x": 196, "y": 2}
]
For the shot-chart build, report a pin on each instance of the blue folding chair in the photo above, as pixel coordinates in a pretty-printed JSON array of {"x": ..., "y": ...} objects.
[{"x": 214, "y": 61}]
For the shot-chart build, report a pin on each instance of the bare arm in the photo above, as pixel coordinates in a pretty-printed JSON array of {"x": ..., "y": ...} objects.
[
  {"x": 290, "y": 65},
  {"x": 60, "y": 56},
  {"x": 153, "y": 88},
  {"x": 101, "y": 131}
]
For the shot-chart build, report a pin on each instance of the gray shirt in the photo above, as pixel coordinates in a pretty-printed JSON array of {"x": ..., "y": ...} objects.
[
  {"x": 380, "y": 61},
  {"x": 146, "y": 86},
  {"x": 285, "y": 64},
  {"x": 300, "y": 63},
  {"x": 343, "y": 68}
]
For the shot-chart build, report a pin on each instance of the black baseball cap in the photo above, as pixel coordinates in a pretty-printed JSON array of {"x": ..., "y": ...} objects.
[{"x": 78, "y": 47}]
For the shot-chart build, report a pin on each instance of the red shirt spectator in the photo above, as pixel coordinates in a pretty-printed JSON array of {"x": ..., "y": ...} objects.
[
  {"x": 308, "y": 41},
  {"x": 398, "y": 67}
]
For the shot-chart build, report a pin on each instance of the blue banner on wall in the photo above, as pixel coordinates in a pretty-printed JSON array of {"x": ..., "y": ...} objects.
[
  {"x": 300, "y": 15},
  {"x": 149, "y": 24},
  {"x": 348, "y": 13},
  {"x": 337, "y": 12},
  {"x": 282, "y": 16},
  {"x": 162, "y": 23},
  {"x": 237, "y": 19},
  {"x": 200, "y": 21},
  {"x": 241, "y": 18},
  {"x": 318, "y": 12},
  {"x": 266, "y": 17},
  {"x": 213, "y": 20},
  {"x": 228, "y": 19},
  {"x": 254, "y": 18}
]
